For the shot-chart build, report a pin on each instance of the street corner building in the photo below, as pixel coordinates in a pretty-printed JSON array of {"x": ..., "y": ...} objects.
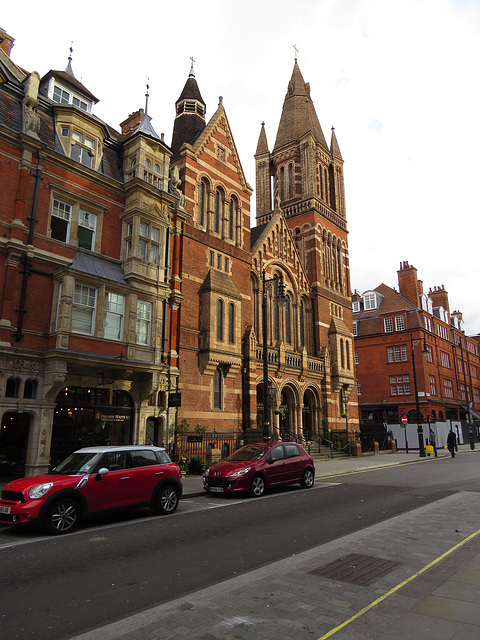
[
  {"x": 415, "y": 361},
  {"x": 135, "y": 297}
]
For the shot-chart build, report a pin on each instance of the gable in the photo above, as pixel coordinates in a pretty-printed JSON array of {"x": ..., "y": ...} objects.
[
  {"x": 275, "y": 244},
  {"x": 215, "y": 147}
]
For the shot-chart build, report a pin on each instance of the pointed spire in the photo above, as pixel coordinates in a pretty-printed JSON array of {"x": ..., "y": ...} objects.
[
  {"x": 262, "y": 146},
  {"x": 190, "y": 113},
  {"x": 69, "y": 69},
  {"x": 298, "y": 114},
  {"x": 334, "y": 147},
  {"x": 146, "y": 128}
]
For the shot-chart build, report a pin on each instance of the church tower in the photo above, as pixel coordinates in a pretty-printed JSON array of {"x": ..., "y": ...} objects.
[
  {"x": 213, "y": 266},
  {"x": 303, "y": 175}
]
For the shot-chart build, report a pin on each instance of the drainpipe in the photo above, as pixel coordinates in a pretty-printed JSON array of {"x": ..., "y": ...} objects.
[{"x": 28, "y": 264}]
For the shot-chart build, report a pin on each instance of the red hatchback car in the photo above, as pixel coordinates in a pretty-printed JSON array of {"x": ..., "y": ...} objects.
[
  {"x": 90, "y": 481},
  {"x": 256, "y": 467}
]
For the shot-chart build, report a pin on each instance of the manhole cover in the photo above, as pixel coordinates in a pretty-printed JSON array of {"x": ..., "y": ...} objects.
[{"x": 357, "y": 569}]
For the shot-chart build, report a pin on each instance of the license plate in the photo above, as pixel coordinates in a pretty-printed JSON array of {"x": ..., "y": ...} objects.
[
  {"x": 5, "y": 509},
  {"x": 216, "y": 489}
]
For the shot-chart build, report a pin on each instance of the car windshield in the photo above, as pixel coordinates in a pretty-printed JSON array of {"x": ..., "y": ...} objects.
[
  {"x": 76, "y": 464},
  {"x": 249, "y": 452}
]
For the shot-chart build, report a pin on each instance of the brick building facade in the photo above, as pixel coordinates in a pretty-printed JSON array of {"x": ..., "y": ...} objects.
[
  {"x": 132, "y": 285},
  {"x": 89, "y": 218},
  {"x": 391, "y": 330}
]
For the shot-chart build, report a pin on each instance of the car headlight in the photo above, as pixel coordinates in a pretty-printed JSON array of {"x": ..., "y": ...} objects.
[
  {"x": 240, "y": 472},
  {"x": 40, "y": 490}
]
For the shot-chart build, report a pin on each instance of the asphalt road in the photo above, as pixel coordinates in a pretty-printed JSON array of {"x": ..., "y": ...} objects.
[{"x": 54, "y": 588}]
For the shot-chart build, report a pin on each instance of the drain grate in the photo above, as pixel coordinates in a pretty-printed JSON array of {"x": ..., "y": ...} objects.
[{"x": 356, "y": 569}]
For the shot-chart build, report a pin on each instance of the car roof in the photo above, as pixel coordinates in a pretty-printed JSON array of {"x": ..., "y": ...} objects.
[{"x": 126, "y": 447}]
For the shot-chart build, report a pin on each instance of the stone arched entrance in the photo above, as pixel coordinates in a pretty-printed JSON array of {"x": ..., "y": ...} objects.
[{"x": 310, "y": 415}]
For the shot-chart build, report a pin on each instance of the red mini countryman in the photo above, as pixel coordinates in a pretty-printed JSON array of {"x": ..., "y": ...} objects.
[
  {"x": 91, "y": 481},
  {"x": 256, "y": 467}
]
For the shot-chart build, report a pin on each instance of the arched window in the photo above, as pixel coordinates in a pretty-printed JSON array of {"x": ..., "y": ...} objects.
[
  {"x": 347, "y": 349},
  {"x": 219, "y": 319},
  {"x": 231, "y": 323},
  {"x": 11, "y": 389},
  {"x": 291, "y": 184},
  {"x": 202, "y": 203},
  {"x": 342, "y": 354},
  {"x": 282, "y": 183},
  {"x": 29, "y": 389},
  {"x": 288, "y": 320},
  {"x": 302, "y": 325},
  {"x": 232, "y": 210},
  {"x": 217, "y": 389},
  {"x": 217, "y": 217}
]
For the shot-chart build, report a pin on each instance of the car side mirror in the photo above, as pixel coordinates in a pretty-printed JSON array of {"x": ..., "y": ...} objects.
[
  {"x": 272, "y": 460},
  {"x": 102, "y": 472}
]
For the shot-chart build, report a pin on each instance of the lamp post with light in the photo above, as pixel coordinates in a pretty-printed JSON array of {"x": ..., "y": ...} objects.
[
  {"x": 421, "y": 445},
  {"x": 280, "y": 298}
]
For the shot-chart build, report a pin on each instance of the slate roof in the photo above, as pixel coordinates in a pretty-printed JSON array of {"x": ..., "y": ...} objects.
[{"x": 98, "y": 267}]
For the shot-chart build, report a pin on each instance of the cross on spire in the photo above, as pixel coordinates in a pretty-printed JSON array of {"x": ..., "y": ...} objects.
[
  {"x": 192, "y": 72},
  {"x": 296, "y": 51}
]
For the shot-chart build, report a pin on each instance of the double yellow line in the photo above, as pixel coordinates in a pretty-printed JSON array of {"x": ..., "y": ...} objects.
[{"x": 399, "y": 586}]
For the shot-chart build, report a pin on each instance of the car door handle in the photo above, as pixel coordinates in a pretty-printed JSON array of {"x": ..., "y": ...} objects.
[
  {"x": 159, "y": 473},
  {"x": 125, "y": 478}
]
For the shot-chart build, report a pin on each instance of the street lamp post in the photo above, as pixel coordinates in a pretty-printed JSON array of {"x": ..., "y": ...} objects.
[
  {"x": 345, "y": 400},
  {"x": 421, "y": 445},
  {"x": 280, "y": 296}
]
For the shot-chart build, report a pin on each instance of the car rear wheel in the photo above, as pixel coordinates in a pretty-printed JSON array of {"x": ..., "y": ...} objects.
[
  {"x": 308, "y": 479},
  {"x": 62, "y": 517},
  {"x": 167, "y": 500},
  {"x": 257, "y": 487}
]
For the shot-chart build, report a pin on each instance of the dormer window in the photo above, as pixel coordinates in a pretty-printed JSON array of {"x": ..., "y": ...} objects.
[
  {"x": 62, "y": 96},
  {"x": 369, "y": 301},
  {"x": 356, "y": 306}
]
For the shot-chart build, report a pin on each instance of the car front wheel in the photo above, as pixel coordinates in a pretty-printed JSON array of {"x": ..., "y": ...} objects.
[
  {"x": 257, "y": 488},
  {"x": 308, "y": 479},
  {"x": 62, "y": 517},
  {"x": 167, "y": 500}
]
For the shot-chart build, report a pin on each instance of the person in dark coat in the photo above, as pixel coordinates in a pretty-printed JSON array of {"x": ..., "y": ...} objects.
[
  {"x": 433, "y": 442},
  {"x": 451, "y": 442}
]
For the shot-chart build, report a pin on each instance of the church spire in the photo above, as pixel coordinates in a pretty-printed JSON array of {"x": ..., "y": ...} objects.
[
  {"x": 298, "y": 115},
  {"x": 190, "y": 113},
  {"x": 334, "y": 147},
  {"x": 262, "y": 146}
]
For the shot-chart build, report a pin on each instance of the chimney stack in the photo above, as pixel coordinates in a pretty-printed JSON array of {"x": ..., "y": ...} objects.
[{"x": 409, "y": 285}]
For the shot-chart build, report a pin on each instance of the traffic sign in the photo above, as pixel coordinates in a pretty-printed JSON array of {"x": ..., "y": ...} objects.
[{"x": 404, "y": 419}]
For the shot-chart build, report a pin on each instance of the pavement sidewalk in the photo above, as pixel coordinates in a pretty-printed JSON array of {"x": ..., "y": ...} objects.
[{"x": 415, "y": 576}]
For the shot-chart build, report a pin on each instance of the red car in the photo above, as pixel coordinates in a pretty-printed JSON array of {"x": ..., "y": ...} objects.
[
  {"x": 90, "y": 481},
  {"x": 255, "y": 467}
]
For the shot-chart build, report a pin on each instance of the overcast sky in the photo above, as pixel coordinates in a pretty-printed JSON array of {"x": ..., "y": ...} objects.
[{"x": 398, "y": 79}]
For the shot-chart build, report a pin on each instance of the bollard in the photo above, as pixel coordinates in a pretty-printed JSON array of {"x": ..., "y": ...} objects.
[
  {"x": 394, "y": 446},
  {"x": 357, "y": 450},
  {"x": 376, "y": 448}
]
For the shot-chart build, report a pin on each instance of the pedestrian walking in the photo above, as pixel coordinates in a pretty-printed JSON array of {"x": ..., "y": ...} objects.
[
  {"x": 433, "y": 441},
  {"x": 451, "y": 442}
]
